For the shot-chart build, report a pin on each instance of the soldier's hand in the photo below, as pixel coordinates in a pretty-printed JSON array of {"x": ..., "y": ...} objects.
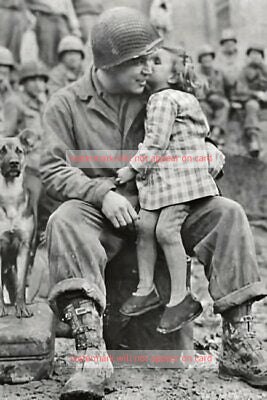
[{"x": 118, "y": 209}]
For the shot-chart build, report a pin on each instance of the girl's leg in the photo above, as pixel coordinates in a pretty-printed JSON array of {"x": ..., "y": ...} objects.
[
  {"x": 168, "y": 235},
  {"x": 146, "y": 251}
]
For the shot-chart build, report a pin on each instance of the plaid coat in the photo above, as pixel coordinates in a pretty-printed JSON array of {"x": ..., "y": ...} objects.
[{"x": 175, "y": 127}]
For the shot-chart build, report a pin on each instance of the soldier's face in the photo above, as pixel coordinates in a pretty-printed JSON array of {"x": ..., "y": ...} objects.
[
  {"x": 131, "y": 76},
  {"x": 207, "y": 61},
  {"x": 72, "y": 60},
  {"x": 35, "y": 86},
  {"x": 255, "y": 56},
  {"x": 229, "y": 46}
]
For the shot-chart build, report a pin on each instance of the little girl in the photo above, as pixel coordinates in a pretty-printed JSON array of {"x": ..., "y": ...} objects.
[{"x": 175, "y": 126}]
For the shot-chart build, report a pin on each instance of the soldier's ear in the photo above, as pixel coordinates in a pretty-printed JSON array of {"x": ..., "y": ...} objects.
[{"x": 28, "y": 139}]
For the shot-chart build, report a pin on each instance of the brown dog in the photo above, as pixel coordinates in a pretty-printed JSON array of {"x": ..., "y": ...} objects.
[{"x": 18, "y": 221}]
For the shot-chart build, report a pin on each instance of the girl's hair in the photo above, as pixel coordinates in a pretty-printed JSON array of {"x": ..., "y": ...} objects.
[
  {"x": 183, "y": 68},
  {"x": 187, "y": 78}
]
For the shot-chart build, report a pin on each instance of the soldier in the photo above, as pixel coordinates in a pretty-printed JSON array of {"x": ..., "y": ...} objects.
[
  {"x": 6, "y": 92},
  {"x": 256, "y": 53},
  {"x": 55, "y": 19},
  {"x": 251, "y": 92},
  {"x": 12, "y": 25},
  {"x": 87, "y": 12},
  {"x": 212, "y": 98},
  {"x": 71, "y": 55},
  {"x": 26, "y": 110},
  {"x": 228, "y": 60}
]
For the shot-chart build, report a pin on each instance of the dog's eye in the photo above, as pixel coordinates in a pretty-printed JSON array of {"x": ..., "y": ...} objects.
[
  {"x": 3, "y": 150},
  {"x": 18, "y": 150}
]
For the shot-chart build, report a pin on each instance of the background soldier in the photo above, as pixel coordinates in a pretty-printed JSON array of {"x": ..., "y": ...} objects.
[
  {"x": 71, "y": 55},
  {"x": 251, "y": 92},
  {"x": 213, "y": 100},
  {"x": 256, "y": 53},
  {"x": 228, "y": 60},
  {"x": 26, "y": 110}
]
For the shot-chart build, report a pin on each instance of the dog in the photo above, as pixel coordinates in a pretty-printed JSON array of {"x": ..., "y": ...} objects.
[{"x": 18, "y": 219}]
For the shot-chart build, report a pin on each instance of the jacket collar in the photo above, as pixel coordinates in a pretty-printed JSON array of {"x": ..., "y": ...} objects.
[
  {"x": 84, "y": 87},
  {"x": 89, "y": 89}
]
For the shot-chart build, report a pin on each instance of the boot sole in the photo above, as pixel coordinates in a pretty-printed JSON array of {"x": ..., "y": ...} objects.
[
  {"x": 177, "y": 328},
  {"x": 141, "y": 312},
  {"x": 228, "y": 374}
]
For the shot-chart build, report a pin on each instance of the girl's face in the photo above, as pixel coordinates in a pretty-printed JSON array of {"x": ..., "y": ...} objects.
[{"x": 162, "y": 69}]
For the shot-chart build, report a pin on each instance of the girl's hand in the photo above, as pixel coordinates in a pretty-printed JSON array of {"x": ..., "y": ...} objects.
[{"x": 125, "y": 174}]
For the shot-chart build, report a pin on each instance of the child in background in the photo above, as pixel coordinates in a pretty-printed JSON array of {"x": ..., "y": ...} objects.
[{"x": 175, "y": 126}]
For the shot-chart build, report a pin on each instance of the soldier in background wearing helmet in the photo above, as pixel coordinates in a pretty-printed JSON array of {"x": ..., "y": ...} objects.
[
  {"x": 251, "y": 94},
  {"x": 228, "y": 60},
  {"x": 26, "y": 110},
  {"x": 103, "y": 110},
  {"x": 256, "y": 53},
  {"x": 70, "y": 67},
  {"x": 212, "y": 96},
  {"x": 6, "y": 92}
]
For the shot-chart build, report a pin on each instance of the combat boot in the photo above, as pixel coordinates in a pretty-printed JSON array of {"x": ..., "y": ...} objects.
[
  {"x": 242, "y": 353},
  {"x": 93, "y": 366}
]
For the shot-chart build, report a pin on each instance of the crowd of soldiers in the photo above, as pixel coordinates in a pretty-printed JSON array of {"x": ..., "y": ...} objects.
[
  {"x": 229, "y": 83},
  {"x": 226, "y": 81}
]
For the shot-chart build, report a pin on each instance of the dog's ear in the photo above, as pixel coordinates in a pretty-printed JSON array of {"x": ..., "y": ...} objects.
[{"x": 29, "y": 139}]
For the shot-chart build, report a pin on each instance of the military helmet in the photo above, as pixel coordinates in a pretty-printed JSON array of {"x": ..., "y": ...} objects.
[
  {"x": 32, "y": 69},
  {"x": 228, "y": 34},
  {"x": 71, "y": 43},
  {"x": 206, "y": 50},
  {"x": 6, "y": 57},
  {"x": 121, "y": 34},
  {"x": 256, "y": 47}
]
